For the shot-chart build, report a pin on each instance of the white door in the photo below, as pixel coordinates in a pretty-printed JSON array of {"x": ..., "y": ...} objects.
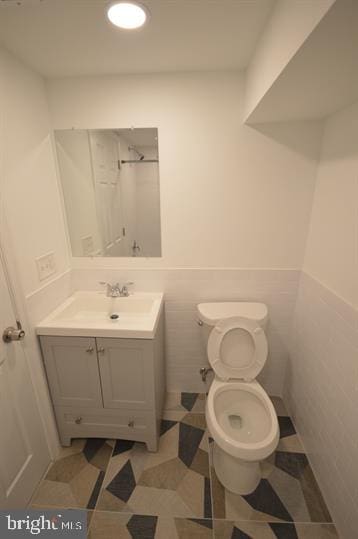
[
  {"x": 24, "y": 454},
  {"x": 104, "y": 152}
]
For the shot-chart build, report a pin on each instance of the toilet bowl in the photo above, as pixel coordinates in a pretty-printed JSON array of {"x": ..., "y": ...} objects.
[
  {"x": 243, "y": 423},
  {"x": 240, "y": 415}
]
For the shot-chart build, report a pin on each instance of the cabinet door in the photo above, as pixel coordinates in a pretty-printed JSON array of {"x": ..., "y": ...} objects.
[
  {"x": 72, "y": 371},
  {"x": 126, "y": 367}
]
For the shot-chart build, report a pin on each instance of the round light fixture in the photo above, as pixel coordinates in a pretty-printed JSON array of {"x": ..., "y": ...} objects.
[{"x": 127, "y": 15}]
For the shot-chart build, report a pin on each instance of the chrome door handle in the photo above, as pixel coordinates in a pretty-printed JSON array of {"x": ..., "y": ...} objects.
[
  {"x": 13, "y": 334},
  {"x": 101, "y": 350},
  {"x": 90, "y": 350}
]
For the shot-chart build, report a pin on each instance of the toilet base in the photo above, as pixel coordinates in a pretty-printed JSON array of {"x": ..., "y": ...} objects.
[{"x": 238, "y": 476}]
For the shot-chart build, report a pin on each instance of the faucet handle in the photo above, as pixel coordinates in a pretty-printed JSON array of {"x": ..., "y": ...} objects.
[
  {"x": 125, "y": 291},
  {"x": 107, "y": 285}
]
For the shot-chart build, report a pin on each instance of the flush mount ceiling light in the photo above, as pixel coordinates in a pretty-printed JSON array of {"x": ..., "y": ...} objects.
[{"x": 127, "y": 15}]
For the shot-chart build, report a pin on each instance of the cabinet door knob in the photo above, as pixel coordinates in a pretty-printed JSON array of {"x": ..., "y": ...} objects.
[
  {"x": 78, "y": 420},
  {"x": 131, "y": 424},
  {"x": 101, "y": 350},
  {"x": 90, "y": 350}
]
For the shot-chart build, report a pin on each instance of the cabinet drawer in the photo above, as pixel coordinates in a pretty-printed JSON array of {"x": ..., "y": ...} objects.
[{"x": 128, "y": 425}]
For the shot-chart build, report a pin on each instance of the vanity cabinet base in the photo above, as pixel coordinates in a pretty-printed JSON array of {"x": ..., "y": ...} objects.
[{"x": 107, "y": 387}]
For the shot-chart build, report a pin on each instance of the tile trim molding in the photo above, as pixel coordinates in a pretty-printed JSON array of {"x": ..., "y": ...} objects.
[{"x": 46, "y": 298}]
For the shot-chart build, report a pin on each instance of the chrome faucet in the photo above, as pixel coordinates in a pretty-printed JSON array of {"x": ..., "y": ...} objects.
[
  {"x": 115, "y": 290},
  {"x": 124, "y": 292}
]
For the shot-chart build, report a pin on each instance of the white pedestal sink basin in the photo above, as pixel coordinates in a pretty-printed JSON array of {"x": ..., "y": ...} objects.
[{"x": 88, "y": 314}]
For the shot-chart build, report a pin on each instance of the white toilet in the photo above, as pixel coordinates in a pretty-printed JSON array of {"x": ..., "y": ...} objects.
[{"x": 239, "y": 413}]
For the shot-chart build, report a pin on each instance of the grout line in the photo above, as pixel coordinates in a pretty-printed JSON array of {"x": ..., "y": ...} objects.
[
  {"x": 211, "y": 486},
  {"x": 300, "y": 522},
  {"x": 103, "y": 482},
  {"x": 29, "y": 503},
  {"x": 166, "y": 517},
  {"x": 210, "y": 473},
  {"x": 300, "y": 438}
]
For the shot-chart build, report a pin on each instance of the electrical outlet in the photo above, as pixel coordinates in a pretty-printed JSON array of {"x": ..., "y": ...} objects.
[{"x": 46, "y": 266}]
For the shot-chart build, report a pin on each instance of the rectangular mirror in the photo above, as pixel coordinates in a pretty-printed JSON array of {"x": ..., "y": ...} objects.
[{"x": 110, "y": 184}]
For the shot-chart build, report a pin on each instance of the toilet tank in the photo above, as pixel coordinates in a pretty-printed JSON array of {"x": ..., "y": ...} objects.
[{"x": 210, "y": 313}]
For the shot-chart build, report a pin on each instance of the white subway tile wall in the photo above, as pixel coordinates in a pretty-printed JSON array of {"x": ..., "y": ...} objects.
[
  {"x": 46, "y": 298},
  {"x": 313, "y": 354},
  {"x": 185, "y": 288},
  {"x": 321, "y": 392}
]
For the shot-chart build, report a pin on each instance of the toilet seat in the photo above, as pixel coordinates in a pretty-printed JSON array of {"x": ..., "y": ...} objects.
[{"x": 237, "y": 349}]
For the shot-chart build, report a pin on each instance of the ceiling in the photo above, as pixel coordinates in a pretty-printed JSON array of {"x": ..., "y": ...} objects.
[
  {"x": 322, "y": 77},
  {"x": 61, "y": 38}
]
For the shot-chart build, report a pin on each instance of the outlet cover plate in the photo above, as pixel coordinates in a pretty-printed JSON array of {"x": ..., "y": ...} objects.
[{"x": 46, "y": 266}]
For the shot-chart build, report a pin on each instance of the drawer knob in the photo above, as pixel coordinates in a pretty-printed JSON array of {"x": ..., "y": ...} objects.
[
  {"x": 131, "y": 424},
  {"x": 101, "y": 350},
  {"x": 78, "y": 420},
  {"x": 90, "y": 350}
]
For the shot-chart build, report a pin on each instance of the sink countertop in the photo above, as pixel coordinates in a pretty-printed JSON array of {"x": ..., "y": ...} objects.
[{"x": 87, "y": 314}]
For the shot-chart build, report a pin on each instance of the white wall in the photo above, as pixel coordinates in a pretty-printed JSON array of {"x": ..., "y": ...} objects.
[
  {"x": 321, "y": 387},
  {"x": 332, "y": 245},
  {"x": 289, "y": 25},
  {"x": 29, "y": 182},
  {"x": 230, "y": 196}
]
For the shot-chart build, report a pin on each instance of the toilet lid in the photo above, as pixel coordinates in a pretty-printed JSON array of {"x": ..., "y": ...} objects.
[{"x": 237, "y": 348}]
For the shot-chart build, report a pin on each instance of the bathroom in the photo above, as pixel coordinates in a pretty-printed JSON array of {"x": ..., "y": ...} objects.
[{"x": 232, "y": 148}]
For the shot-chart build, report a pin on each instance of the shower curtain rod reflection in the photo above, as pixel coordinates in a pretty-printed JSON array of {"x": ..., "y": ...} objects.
[{"x": 124, "y": 161}]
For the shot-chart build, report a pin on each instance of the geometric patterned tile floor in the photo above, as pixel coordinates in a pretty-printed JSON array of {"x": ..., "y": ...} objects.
[
  {"x": 175, "y": 481},
  {"x": 175, "y": 494},
  {"x": 75, "y": 478}
]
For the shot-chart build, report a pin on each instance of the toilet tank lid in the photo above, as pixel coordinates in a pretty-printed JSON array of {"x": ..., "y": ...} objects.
[{"x": 211, "y": 313}]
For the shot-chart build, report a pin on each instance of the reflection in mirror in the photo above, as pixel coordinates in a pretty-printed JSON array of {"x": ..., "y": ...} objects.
[{"x": 110, "y": 183}]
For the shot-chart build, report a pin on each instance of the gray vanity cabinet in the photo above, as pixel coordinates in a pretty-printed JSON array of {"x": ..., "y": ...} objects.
[
  {"x": 106, "y": 387},
  {"x": 72, "y": 369},
  {"x": 126, "y": 373}
]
